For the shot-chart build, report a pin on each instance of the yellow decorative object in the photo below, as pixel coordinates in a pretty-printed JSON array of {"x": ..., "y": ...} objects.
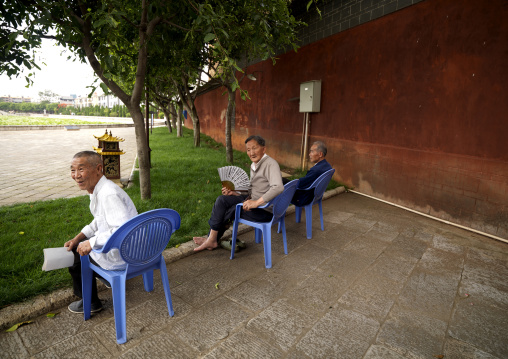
[
  {"x": 110, "y": 151},
  {"x": 109, "y": 138},
  {"x": 101, "y": 152}
]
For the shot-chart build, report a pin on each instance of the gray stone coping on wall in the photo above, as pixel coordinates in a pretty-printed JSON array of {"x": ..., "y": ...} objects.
[
  {"x": 73, "y": 127},
  {"x": 63, "y": 127}
]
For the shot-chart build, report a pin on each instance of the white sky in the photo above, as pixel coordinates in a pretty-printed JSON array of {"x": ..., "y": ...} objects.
[{"x": 59, "y": 75}]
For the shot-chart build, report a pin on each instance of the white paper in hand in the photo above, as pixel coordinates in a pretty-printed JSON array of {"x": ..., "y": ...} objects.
[{"x": 56, "y": 258}]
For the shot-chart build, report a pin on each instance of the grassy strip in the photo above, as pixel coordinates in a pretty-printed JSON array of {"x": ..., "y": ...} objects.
[
  {"x": 183, "y": 178},
  {"x": 44, "y": 121}
]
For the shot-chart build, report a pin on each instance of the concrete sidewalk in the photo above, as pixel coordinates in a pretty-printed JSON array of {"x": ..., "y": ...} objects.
[
  {"x": 35, "y": 165},
  {"x": 379, "y": 282}
]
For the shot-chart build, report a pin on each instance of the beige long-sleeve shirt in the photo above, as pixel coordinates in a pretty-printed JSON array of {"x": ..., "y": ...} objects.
[{"x": 266, "y": 179}]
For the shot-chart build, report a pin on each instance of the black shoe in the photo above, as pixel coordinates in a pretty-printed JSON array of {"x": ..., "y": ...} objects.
[
  {"x": 105, "y": 282},
  {"x": 228, "y": 243},
  {"x": 77, "y": 306}
]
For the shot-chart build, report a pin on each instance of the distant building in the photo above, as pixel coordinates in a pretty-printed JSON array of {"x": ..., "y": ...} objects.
[
  {"x": 109, "y": 101},
  {"x": 67, "y": 100},
  {"x": 83, "y": 101},
  {"x": 15, "y": 99},
  {"x": 97, "y": 100}
]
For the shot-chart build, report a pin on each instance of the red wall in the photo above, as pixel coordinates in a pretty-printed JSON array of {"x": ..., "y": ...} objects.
[{"x": 414, "y": 109}]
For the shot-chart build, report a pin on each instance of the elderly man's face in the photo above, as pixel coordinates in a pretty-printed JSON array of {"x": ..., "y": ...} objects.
[
  {"x": 255, "y": 151},
  {"x": 85, "y": 174},
  {"x": 314, "y": 154}
]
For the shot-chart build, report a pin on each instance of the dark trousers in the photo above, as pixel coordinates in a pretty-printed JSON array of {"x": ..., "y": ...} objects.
[
  {"x": 75, "y": 271},
  {"x": 301, "y": 197},
  {"x": 223, "y": 213}
]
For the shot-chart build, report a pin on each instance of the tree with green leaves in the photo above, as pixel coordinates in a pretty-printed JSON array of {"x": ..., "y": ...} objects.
[
  {"x": 119, "y": 37},
  {"x": 115, "y": 37},
  {"x": 47, "y": 95},
  {"x": 16, "y": 45},
  {"x": 234, "y": 30},
  {"x": 242, "y": 31}
]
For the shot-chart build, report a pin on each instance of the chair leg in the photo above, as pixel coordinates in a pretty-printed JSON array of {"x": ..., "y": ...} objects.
[
  {"x": 119, "y": 308},
  {"x": 298, "y": 212},
  {"x": 165, "y": 285},
  {"x": 308, "y": 221},
  {"x": 321, "y": 215},
  {"x": 282, "y": 226},
  {"x": 267, "y": 245},
  {"x": 148, "y": 280},
  {"x": 258, "y": 235},
  {"x": 86, "y": 286},
  {"x": 233, "y": 239}
]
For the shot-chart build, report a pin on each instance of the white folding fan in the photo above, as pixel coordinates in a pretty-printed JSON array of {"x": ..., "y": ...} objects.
[{"x": 234, "y": 178}]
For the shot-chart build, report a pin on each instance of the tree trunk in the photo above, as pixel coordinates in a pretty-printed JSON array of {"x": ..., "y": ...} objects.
[
  {"x": 131, "y": 102},
  {"x": 187, "y": 101},
  {"x": 167, "y": 115},
  {"x": 229, "y": 120},
  {"x": 191, "y": 111},
  {"x": 174, "y": 114},
  {"x": 179, "y": 120},
  {"x": 195, "y": 127},
  {"x": 143, "y": 153}
]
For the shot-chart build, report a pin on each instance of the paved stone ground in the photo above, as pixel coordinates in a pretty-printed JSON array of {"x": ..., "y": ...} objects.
[
  {"x": 379, "y": 282},
  {"x": 35, "y": 164}
]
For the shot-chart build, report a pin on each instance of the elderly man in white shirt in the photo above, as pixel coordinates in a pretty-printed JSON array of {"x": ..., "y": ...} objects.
[{"x": 111, "y": 207}]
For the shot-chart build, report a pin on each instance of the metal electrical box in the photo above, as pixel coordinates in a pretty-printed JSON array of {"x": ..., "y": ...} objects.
[{"x": 310, "y": 96}]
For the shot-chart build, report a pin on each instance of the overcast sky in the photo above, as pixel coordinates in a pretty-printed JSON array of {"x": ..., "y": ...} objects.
[{"x": 59, "y": 75}]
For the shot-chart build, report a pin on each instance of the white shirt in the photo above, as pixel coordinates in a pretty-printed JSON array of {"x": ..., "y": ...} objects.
[
  {"x": 253, "y": 166},
  {"x": 111, "y": 207}
]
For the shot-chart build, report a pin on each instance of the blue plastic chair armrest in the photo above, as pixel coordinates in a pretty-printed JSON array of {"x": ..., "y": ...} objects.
[
  {"x": 268, "y": 204},
  {"x": 238, "y": 210}
]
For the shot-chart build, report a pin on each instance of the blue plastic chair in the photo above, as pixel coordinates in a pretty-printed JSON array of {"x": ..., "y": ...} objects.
[
  {"x": 319, "y": 186},
  {"x": 280, "y": 205},
  {"x": 140, "y": 242}
]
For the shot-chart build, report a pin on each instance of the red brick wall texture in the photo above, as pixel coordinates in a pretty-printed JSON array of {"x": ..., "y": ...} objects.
[{"x": 414, "y": 109}]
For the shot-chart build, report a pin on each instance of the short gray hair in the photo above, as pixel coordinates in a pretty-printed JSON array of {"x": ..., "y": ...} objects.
[
  {"x": 93, "y": 158},
  {"x": 321, "y": 147},
  {"x": 260, "y": 140}
]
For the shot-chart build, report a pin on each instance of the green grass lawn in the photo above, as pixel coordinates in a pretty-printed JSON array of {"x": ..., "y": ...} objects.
[
  {"x": 183, "y": 178},
  {"x": 42, "y": 121}
]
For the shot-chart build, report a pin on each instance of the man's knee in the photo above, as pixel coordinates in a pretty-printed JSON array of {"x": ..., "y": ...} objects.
[{"x": 221, "y": 201}]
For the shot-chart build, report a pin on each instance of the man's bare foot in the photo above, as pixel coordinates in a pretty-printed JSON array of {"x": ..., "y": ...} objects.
[
  {"x": 209, "y": 244},
  {"x": 199, "y": 240}
]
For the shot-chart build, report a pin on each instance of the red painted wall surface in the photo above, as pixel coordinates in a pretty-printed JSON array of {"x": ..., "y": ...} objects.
[{"x": 414, "y": 109}]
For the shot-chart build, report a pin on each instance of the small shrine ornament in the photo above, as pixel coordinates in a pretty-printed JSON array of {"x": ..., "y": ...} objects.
[{"x": 109, "y": 149}]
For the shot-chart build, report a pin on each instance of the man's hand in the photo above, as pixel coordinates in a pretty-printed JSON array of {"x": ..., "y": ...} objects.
[
  {"x": 71, "y": 244},
  {"x": 74, "y": 242},
  {"x": 84, "y": 248},
  {"x": 228, "y": 192},
  {"x": 250, "y": 204}
]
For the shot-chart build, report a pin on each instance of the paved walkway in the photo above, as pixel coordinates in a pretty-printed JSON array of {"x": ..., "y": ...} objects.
[
  {"x": 379, "y": 282},
  {"x": 36, "y": 164}
]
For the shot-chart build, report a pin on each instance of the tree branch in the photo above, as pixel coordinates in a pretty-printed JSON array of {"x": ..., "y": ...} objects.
[
  {"x": 175, "y": 25},
  {"x": 96, "y": 66}
]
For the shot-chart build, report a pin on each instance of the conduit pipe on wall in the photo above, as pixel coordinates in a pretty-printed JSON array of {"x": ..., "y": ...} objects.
[
  {"x": 435, "y": 218},
  {"x": 305, "y": 139}
]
